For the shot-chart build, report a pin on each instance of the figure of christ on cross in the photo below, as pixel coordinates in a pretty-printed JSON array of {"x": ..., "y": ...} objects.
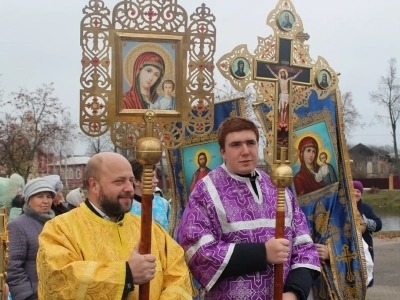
[
  {"x": 284, "y": 94},
  {"x": 280, "y": 70}
]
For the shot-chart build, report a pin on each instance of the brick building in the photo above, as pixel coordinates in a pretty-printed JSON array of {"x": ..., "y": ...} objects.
[{"x": 71, "y": 171}]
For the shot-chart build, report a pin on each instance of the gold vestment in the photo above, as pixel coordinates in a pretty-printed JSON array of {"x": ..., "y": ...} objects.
[{"x": 83, "y": 256}]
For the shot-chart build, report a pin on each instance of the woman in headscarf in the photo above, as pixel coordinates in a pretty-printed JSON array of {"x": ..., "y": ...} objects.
[
  {"x": 23, "y": 234},
  {"x": 75, "y": 198},
  {"x": 304, "y": 180},
  {"x": 148, "y": 71},
  {"x": 58, "y": 207}
]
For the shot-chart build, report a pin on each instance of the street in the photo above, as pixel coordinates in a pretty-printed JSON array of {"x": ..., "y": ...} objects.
[{"x": 386, "y": 270}]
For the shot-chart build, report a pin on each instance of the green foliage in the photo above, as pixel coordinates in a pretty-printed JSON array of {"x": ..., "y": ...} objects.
[{"x": 382, "y": 198}]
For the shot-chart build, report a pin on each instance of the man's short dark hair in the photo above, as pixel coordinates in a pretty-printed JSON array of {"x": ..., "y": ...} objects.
[
  {"x": 137, "y": 169},
  {"x": 235, "y": 124}
]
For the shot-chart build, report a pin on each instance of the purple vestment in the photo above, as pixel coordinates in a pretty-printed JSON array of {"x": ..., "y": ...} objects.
[{"x": 223, "y": 210}]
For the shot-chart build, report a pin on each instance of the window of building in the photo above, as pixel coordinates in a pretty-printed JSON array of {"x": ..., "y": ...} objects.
[
  {"x": 62, "y": 174},
  {"x": 78, "y": 173},
  {"x": 70, "y": 173}
]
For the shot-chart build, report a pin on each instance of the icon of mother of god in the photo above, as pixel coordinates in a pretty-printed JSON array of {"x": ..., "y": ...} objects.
[{"x": 148, "y": 71}]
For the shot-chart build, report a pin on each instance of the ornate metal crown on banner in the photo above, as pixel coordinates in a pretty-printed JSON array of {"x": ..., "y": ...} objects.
[{"x": 146, "y": 58}]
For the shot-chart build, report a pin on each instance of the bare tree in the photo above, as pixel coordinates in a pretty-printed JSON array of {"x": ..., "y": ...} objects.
[
  {"x": 388, "y": 95},
  {"x": 351, "y": 116},
  {"x": 63, "y": 147},
  {"x": 36, "y": 120},
  {"x": 1, "y": 92},
  {"x": 98, "y": 144},
  {"x": 382, "y": 150},
  {"x": 225, "y": 92}
]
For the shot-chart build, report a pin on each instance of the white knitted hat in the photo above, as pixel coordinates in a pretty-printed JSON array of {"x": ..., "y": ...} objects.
[{"x": 36, "y": 186}]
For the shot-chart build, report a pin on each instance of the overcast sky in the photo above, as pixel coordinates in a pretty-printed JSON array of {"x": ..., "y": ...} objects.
[{"x": 40, "y": 43}]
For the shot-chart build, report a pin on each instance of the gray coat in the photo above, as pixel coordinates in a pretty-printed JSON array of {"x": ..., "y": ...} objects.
[{"x": 23, "y": 235}]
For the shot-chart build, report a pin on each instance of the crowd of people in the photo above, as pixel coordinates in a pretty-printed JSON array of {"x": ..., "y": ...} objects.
[{"x": 88, "y": 247}]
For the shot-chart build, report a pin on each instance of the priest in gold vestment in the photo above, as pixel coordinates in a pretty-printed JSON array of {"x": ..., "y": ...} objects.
[{"x": 91, "y": 252}]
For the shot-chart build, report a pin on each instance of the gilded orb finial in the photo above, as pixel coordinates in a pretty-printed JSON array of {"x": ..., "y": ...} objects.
[
  {"x": 148, "y": 151},
  {"x": 282, "y": 175}
]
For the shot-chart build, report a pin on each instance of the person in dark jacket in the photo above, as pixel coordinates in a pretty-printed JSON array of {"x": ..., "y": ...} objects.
[
  {"x": 23, "y": 236},
  {"x": 372, "y": 222}
]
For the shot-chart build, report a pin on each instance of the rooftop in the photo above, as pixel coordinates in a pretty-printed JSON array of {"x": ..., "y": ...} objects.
[{"x": 74, "y": 160}]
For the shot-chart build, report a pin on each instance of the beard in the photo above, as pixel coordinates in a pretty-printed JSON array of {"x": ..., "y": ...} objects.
[{"x": 111, "y": 206}]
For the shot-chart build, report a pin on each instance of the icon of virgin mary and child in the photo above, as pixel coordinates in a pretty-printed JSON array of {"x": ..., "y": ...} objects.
[
  {"x": 148, "y": 72},
  {"x": 312, "y": 176}
]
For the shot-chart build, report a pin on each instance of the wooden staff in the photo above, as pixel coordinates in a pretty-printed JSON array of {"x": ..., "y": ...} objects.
[
  {"x": 281, "y": 177},
  {"x": 146, "y": 220},
  {"x": 148, "y": 153},
  {"x": 279, "y": 233}
]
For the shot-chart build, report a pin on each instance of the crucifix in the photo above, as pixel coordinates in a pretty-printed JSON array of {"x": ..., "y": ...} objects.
[{"x": 285, "y": 73}]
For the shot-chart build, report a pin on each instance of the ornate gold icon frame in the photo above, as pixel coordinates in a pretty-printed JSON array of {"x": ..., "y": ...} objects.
[
  {"x": 149, "y": 42},
  {"x": 107, "y": 103}
]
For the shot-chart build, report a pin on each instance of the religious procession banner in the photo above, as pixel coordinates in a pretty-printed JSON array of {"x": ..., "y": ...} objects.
[
  {"x": 299, "y": 106},
  {"x": 324, "y": 195},
  {"x": 184, "y": 163},
  {"x": 145, "y": 65}
]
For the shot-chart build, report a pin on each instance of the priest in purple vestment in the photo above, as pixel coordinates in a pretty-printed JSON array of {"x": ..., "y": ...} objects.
[{"x": 228, "y": 227}]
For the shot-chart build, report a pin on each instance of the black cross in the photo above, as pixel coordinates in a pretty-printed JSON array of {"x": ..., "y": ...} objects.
[{"x": 284, "y": 62}]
